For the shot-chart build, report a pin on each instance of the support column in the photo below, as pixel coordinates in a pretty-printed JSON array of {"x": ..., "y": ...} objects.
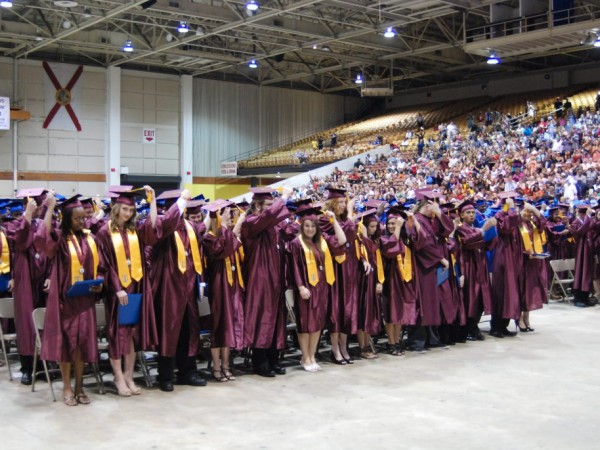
[
  {"x": 113, "y": 141},
  {"x": 186, "y": 133}
]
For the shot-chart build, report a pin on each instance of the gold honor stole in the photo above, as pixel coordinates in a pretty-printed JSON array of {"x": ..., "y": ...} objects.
[
  {"x": 5, "y": 256},
  {"x": 380, "y": 274},
  {"x": 539, "y": 239},
  {"x": 311, "y": 264},
  {"x": 182, "y": 254},
  {"x": 405, "y": 264},
  {"x": 77, "y": 270},
  {"x": 128, "y": 269},
  {"x": 239, "y": 259}
]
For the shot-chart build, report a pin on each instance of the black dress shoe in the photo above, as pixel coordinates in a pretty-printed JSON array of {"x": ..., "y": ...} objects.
[
  {"x": 166, "y": 386},
  {"x": 26, "y": 379},
  {"x": 480, "y": 336},
  {"x": 192, "y": 379},
  {"x": 341, "y": 362},
  {"x": 497, "y": 334},
  {"x": 278, "y": 370},
  {"x": 582, "y": 304},
  {"x": 507, "y": 333},
  {"x": 471, "y": 337},
  {"x": 268, "y": 373}
]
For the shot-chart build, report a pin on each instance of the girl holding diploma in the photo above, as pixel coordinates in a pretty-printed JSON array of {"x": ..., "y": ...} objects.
[
  {"x": 70, "y": 327},
  {"x": 121, "y": 245}
]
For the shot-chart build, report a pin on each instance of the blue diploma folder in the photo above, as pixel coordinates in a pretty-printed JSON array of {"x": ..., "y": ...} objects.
[
  {"x": 83, "y": 287},
  {"x": 129, "y": 314},
  {"x": 559, "y": 228},
  {"x": 442, "y": 274},
  {"x": 4, "y": 279}
]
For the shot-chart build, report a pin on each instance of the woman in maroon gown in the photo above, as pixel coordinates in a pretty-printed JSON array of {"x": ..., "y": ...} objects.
[
  {"x": 313, "y": 274},
  {"x": 534, "y": 282},
  {"x": 584, "y": 227},
  {"x": 399, "y": 293},
  {"x": 370, "y": 284},
  {"x": 70, "y": 327},
  {"x": 120, "y": 244},
  {"x": 225, "y": 286},
  {"x": 343, "y": 313}
]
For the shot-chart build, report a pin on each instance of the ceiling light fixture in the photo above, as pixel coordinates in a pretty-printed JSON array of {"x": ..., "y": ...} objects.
[
  {"x": 66, "y": 24},
  {"x": 389, "y": 32},
  {"x": 253, "y": 64},
  {"x": 6, "y": 4},
  {"x": 493, "y": 59},
  {"x": 597, "y": 43},
  {"x": 358, "y": 79},
  {"x": 589, "y": 39},
  {"x": 252, "y": 5},
  {"x": 128, "y": 47},
  {"x": 183, "y": 27}
]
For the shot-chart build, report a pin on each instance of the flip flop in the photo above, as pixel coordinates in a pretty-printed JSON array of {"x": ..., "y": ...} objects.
[
  {"x": 69, "y": 400},
  {"x": 83, "y": 399}
]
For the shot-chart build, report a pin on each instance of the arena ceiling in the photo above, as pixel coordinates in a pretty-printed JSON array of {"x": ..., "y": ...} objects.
[{"x": 305, "y": 44}]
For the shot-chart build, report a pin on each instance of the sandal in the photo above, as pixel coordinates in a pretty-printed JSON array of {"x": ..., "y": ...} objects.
[
  {"x": 228, "y": 374},
  {"x": 134, "y": 388},
  {"x": 366, "y": 353},
  {"x": 220, "y": 376},
  {"x": 123, "y": 392},
  {"x": 69, "y": 400},
  {"x": 83, "y": 399}
]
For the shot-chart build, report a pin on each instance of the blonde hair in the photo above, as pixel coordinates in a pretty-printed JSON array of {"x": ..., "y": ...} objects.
[{"x": 130, "y": 225}]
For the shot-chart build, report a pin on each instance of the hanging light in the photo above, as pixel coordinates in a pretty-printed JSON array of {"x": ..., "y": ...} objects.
[
  {"x": 358, "y": 79},
  {"x": 253, "y": 64},
  {"x": 183, "y": 27},
  {"x": 128, "y": 47},
  {"x": 252, "y": 5},
  {"x": 6, "y": 4},
  {"x": 493, "y": 59},
  {"x": 389, "y": 32}
]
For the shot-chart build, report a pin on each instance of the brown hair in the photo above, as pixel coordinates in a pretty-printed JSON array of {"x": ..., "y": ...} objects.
[{"x": 315, "y": 241}]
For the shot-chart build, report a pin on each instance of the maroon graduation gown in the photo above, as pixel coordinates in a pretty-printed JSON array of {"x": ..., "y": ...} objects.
[
  {"x": 226, "y": 300},
  {"x": 534, "y": 279},
  {"x": 311, "y": 314},
  {"x": 508, "y": 263},
  {"x": 30, "y": 268},
  {"x": 343, "y": 309},
  {"x": 174, "y": 291},
  {"x": 264, "y": 311},
  {"x": 477, "y": 295},
  {"x": 430, "y": 248},
  {"x": 70, "y": 321},
  {"x": 401, "y": 302},
  {"x": 584, "y": 231},
  {"x": 369, "y": 302},
  {"x": 144, "y": 334}
]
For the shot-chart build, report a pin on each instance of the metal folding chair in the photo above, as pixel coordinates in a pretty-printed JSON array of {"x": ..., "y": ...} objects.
[
  {"x": 39, "y": 317},
  {"x": 565, "y": 268},
  {"x": 7, "y": 311}
]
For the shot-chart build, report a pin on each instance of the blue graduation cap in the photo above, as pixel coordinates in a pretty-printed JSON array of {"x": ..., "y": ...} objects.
[
  {"x": 60, "y": 197},
  {"x": 200, "y": 197},
  {"x": 410, "y": 202}
]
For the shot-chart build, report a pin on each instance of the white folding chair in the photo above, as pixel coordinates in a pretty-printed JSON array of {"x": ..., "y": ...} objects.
[
  {"x": 39, "y": 317},
  {"x": 7, "y": 311},
  {"x": 564, "y": 268}
]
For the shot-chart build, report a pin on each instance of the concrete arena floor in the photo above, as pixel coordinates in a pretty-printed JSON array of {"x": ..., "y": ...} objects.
[{"x": 535, "y": 391}]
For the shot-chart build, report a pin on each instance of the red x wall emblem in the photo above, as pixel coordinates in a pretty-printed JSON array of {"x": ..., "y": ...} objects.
[{"x": 62, "y": 96}]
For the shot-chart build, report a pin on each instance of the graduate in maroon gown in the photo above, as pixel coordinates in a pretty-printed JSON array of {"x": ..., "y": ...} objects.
[
  {"x": 474, "y": 279},
  {"x": 70, "y": 328},
  {"x": 176, "y": 264},
  {"x": 596, "y": 251},
  {"x": 6, "y": 281},
  {"x": 225, "y": 286},
  {"x": 370, "y": 284},
  {"x": 343, "y": 314},
  {"x": 313, "y": 275},
  {"x": 584, "y": 227},
  {"x": 120, "y": 244},
  {"x": 399, "y": 293},
  {"x": 534, "y": 280},
  {"x": 264, "y": 311},
  {"x": 508, "y": 264},
  {"x": 437, "y": 301},
  {"x": 30, "y": 273}
]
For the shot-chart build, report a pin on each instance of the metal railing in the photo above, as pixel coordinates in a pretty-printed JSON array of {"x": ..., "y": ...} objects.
[{"x": 549, "y": 19}]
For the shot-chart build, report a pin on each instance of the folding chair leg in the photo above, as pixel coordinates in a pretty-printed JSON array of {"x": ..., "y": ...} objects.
[
  {"x": 99, "y": 379},
  {"x": 6, "y": 360},
  {"x": 49, "y": 379},
  {"x": 145, "y": 370}
]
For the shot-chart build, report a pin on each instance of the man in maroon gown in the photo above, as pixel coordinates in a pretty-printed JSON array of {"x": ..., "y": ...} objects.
[
  {"x": 264, "y": 312},
  {"x": 175, "y": 267},
  {"x": 30, "y": 271}
]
